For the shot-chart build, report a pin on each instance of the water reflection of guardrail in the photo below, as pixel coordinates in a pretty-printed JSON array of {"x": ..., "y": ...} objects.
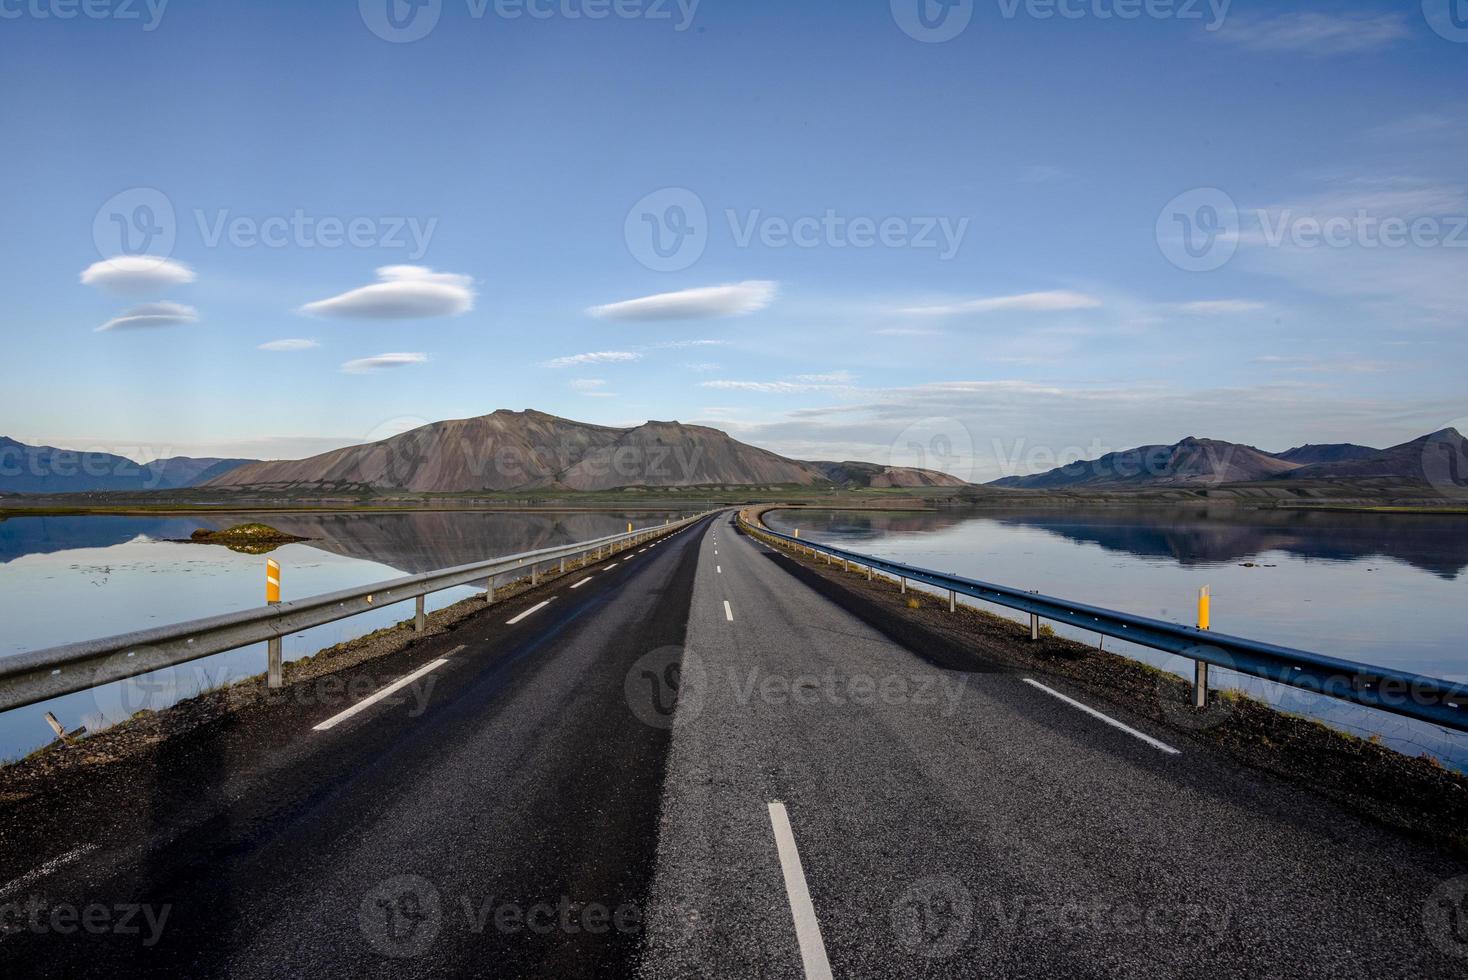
[
  {"x": 1427, "y": 699},
  {"x": 40, "y": 675}
]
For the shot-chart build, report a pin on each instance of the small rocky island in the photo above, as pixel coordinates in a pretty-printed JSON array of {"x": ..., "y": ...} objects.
[{"x": 251, "y": 539}]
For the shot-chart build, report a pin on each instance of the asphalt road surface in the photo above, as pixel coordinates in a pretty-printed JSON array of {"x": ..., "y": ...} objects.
[{"x": 689, "y": 763}]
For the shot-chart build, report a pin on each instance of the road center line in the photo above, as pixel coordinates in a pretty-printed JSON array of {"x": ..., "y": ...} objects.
[
  {"x": 611, "y": 566},
  {"x": 1163, "y": 746},
  {"x": 370, "y": 700},
  {"x": 807, "y": 929},
  {"x": 719, "y": 569},
  {"x": 728, "y": 612},
  {"x": 581, "y": 583},
  {"x": 527, "y": 613}
]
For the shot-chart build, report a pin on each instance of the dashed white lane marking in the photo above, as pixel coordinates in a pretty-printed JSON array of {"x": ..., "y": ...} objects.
[
  {"x": 719, "y": 569},
  {"x": 1163, "y": 746},
  {"x": 369, "y": 701},
  {"x": 611, "y": 566},
  {"x": 728, "y": 612},
  {"x": 455, "y": 650},
  {"x": 807, "y": 929},
  {"x": 581, "y": 583},
  {"x": 528, "y": 613},
  {"x": 56, "y": 863}
]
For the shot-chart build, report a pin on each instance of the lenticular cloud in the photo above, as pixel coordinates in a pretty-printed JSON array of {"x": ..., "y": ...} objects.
[{"x": 406, "y": 292}]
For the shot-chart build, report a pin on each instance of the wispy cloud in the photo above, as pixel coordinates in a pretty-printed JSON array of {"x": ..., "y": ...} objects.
[
  {"x": 830, "y": 378},
  {"x": 773, "y": 387},
  {"x": 382, "y": 362},
  {"x": 152, "y": 315},
  {"x": 1046, "y": 302},
  {"x": 595, "y": 357},
  {"x": 137, "y": 273},
  {"x": 708, "y": 302},
  {"x": 1223, "y": 307},
  {"x": 289, "y": 344},
  {"x": 406, "y": 292},
  {"x": 1316, "y": 33}
]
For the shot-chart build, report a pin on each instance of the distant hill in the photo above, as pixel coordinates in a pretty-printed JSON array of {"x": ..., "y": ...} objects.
[
  {"x": 509, "y": 451},
  {"x": 1190, "y": 462},
  {"x": 1439, "y": 459},
  {"x": 877, "y": 475},
  {"x": 46, "y": 469},
  {"x": 1333, "y": 453}
]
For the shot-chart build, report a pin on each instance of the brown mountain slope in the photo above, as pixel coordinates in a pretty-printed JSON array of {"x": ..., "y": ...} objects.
[{"x": 509, "y": 451}]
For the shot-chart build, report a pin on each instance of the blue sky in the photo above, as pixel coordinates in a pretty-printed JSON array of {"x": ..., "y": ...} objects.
[{"x": 1045, "y": 236}]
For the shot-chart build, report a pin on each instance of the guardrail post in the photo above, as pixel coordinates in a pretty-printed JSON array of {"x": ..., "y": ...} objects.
[
  {"x": 489, "y": 592},
  {"x": 1034, "y": 623},
  {"x": 274, "y": 655},
  {"x": 563, "y": 566},
  {"x": 904, "y": 585},
  {"x": 869, "y": 573},
  {"x": 534, "y": 575},
  {"x": 420, "y": 618},
  {"x": 1200, "y": 669},
  {"x": 952, "y": 601}
]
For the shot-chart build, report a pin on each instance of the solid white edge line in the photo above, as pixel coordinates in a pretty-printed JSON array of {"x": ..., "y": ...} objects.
[
  {"x": 1108, "y": 720},
  {"x": 372, "y": 699},
  {"x": 728, "y": 611},
  {"x": 45, "y": 869},
  {"x": 807, "y": 929},
  {"x": 528, "y": 613},
  {"x": 581, "y": 583}
]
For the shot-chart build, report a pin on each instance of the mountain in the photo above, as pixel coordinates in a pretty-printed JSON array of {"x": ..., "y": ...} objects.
[
  {"x": 1332, "y": 453},
  {"x": 188, "y": 471},
  {"x": 46, "y": 469},
  {"x": 1192, "y": 462},
  {"x": 509, "y": 451},
  {"x": 877, "y": 475},
  {"x": 1439, "y": 459}
]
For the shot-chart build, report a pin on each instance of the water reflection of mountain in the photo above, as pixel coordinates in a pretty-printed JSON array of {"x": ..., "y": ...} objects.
[
  {"x": 408, "y": 542},
  {"x": 1203, "y": 536},
  {"x": 21, "y": 536},
  {"x": 425, "y": 542}
]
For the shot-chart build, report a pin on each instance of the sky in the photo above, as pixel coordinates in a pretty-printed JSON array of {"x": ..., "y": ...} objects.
[{"x": 983, "y": 235}]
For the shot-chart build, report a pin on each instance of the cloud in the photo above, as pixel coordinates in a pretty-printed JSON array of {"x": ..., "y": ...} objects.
[
  {"x": 736, "y": 299},
  {"x": 137, "y": 273},
  {"x": 289, "y": 344},
  {"x": 1317, "y": 34},
  {"x": 773, "y": 387},
  {"x": 1223, "y": 307},
  {"x": 833, "y": 378},
  {"x": 595, "y": 357},
  {"x": 381, "y": 362},
  {"x": 406, "y": 292},
  {"x": 684, "y": 344},
  {"x": 1048, "y": 302},
  {"x": 152, "y": 315},
  {"x": 905, "y": 332}
]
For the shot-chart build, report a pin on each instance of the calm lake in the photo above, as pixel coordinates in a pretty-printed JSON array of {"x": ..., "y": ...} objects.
[
  {"x": 1388, "y": 590},
  {"x": 64, "y": 579}
]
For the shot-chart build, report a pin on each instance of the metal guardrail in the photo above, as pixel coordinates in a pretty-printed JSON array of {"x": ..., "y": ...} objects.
[
  {"x": 29, "y": 678},
  {"x": 1427, "y": 699}
]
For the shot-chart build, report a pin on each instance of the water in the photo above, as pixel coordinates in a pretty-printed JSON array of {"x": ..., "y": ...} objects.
[
  {"x": 65, "y": 579},
  {"x": 1388, "y": 590}
]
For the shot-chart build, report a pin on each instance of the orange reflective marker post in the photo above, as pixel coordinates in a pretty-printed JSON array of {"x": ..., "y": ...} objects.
[
  {"x": 273, "y": 669},
  {"x": 1200, "y": 669}
]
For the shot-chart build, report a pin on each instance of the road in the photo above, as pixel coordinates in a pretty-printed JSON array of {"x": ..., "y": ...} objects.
[{"x": 690, "y": 763}]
